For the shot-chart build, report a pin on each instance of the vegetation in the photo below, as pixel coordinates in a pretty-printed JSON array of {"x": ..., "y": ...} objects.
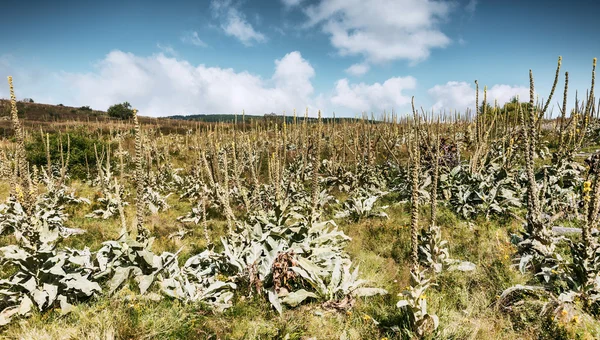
[
  {"x": 481, "y": 225},
  {"x": 121, "y": 111}
]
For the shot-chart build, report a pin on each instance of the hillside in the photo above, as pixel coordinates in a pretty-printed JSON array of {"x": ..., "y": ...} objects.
[
  {"x": 60, "y": 117},
  {"x": 230, "y": 118}
]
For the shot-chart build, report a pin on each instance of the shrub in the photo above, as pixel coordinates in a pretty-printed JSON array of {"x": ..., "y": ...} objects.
[
  {"x": 85, "y": 108},
  {"x": 121, "y": 111},
  {"x": 82, "y": 146}
]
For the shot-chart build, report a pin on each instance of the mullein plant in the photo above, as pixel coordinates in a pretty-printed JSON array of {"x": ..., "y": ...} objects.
[
  {"x": 111, "y": 197},
  {"x": 572, "y": 283},
  {"x": 433, "y": 253},
  {"x": 5, "y": 165},
  {"x": 414, "y": 302},
  {"x": 537, "y": 246},
  {"x": 22, "y": 187},
  {"x": 41, "y": 274},
  {"x": 315, "y": 171},
  {"x": 142, "y": 232}
]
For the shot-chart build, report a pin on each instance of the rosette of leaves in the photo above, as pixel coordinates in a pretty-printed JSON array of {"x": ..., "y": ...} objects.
[
  {"x": 195, "y": 216},
  {"x": 567, "y": 285},
  {"x": 337, "y": 287},
  {"x": 154, "y": 200},
  {"x": 204, "y": 277},
  {"x": 14, "y": 219},
  {"x": 434, "y": 254},
  {"x": 127, "y": 258},
  {"x": 64, "y": 196},
  {"x": 414, "y": 304},
  {"x": 362, "y": 205},
  {"x": 334, "y": 175},
  {"x": 165, "y": 179},
  {"x": 403, "y": 187},
  {"x": 561, "y": 182},
  {"x": 298, "y": 170},
  {"x": 43, "y": 276},
  {"x": 492, "y": 191},
  {"x": 190, "y": 187},
  {"x": 370, "y": 177},
  {"x": 582, "y": 275},
  {"x": 497, "y": 190},
  {"x": 282, "y": 256},
  {"x": 108, "y": 201}
]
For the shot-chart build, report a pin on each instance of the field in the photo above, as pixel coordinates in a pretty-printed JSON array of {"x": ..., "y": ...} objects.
[{"x": 481, "y": 225}]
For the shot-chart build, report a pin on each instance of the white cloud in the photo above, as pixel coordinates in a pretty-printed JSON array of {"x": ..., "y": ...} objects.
[
  {"x": 461, "y": 95},
  {"x": 234, "y": 23},
  {"x": 293, "y": 74},
  {"x": 159, "y": 85},
  {"x": 358, "y": 69},
  {"x": 192, "y": 38},
  {"x": 382, "y": 30},
  {"x": 162, "y": 85},
  {"x": 364, "y": 97}
]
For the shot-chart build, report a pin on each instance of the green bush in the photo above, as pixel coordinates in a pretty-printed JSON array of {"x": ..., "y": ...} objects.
[
  {"x": 121, "y": 111},
  {"x": 82, "y": 146}
]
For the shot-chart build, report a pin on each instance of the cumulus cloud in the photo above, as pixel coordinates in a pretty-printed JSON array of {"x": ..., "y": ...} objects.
[
  {"x": 382, "y": 30},
  {"x": 364, "y": 97},
  {"x": 192, "y": 38},
  {"x": 162, "y": 85},
  {"x": 159, "y": 85},
  {"x": 234, "y": 23},
  {"x": 456, "y": 95},
  {"x": 358, "y": 69}
]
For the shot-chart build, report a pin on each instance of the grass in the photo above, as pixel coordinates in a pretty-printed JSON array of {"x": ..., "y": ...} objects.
[{"x": 464, "y": 302}]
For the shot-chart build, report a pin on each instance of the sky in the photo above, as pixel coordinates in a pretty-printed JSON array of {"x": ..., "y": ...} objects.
[{"x": 342, "y": 57}]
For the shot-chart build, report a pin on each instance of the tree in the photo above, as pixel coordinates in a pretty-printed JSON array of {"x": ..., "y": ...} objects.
[{"x": 121, "y": 111}]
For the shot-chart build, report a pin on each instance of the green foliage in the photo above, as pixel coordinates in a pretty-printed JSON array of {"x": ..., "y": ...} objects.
[
  {"x": 82, "y": 147},
  {"x": 121, "y": 111}
]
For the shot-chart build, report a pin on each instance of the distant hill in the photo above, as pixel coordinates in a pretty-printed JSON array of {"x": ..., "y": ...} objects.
[
  {"x": 52, "y": 117},
  {"x": 46, "y": 114},
  {"x": 215, "y": 118}
]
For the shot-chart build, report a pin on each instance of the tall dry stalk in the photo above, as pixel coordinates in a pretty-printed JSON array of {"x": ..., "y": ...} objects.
[
  {"x": 315, "y": 173},
  {"x": 563, "y": 113},
  {"x": 142, "y": 232},
  {"x": 414, "y": 210},
  {"x": 24, "y": 185}
]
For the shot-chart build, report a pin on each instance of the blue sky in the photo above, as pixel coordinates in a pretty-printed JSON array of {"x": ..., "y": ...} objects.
[{"x": 342, "y": 56}]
